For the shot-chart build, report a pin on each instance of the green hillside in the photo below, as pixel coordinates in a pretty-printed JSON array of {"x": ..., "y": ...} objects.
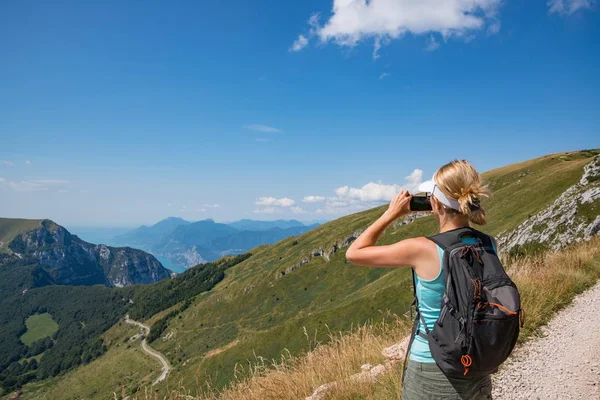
[
  {"x": 123, "y": 368},
  {"x": 11, "y": 227},
  {"x": 256, "y": 310},
  {"x": 265, "y": 315}
]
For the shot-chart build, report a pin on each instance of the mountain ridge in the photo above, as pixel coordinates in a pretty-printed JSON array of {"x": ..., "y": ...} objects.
[
  {"x": 69, "y": 260},
  {"x": 255, "y": 225},
  {"x": 190, "y": 243}
]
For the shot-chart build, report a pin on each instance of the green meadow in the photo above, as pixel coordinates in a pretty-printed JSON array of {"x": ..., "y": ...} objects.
[{"x": 39, "y": 326}]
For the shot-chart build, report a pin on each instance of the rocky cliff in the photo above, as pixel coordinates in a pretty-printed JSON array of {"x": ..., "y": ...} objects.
[
  {"x": 571, "y": 218},
  {"x": 68, "y": 260}
]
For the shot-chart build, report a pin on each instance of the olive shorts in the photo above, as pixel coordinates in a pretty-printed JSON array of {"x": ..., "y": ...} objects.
[{"x": 425, "y": 381}]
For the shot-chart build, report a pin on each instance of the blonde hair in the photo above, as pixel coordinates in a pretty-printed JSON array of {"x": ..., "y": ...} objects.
[{"x": 461, "y": 182}]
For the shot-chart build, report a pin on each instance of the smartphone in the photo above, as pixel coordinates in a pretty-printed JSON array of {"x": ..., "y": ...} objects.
[{"x": 420, "y": 203}]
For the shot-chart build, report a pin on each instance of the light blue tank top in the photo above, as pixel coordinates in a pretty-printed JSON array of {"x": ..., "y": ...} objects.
[{"x": 429, "y": 294}]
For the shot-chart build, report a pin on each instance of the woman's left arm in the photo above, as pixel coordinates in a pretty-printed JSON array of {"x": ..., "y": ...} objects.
[{"x": 364, "y": 251}]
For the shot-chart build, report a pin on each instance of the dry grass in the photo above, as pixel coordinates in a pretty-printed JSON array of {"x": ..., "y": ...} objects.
[{"x": 547, "y": 283}]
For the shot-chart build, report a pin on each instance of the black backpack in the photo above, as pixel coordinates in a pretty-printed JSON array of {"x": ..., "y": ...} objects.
[{"x": 480, "y": 312}]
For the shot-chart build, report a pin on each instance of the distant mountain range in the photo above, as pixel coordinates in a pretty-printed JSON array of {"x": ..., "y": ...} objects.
[
  {"x": 253, "y": 225},
  {"x": 184, "y": 243},
  {"x": 62, "y": 258}
]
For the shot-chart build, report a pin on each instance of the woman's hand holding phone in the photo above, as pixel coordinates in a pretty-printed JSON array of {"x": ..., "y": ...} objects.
[{"x": 399, "y": 206}]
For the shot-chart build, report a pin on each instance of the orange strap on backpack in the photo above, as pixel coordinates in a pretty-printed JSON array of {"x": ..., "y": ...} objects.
[{"x": 466, "y": 361}]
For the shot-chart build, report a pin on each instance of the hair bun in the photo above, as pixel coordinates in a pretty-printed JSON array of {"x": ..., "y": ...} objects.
[
  {"x": 475, "y": 205},
  {"x": 469, "y": 200},
  {"x": 461, "y": 181}
]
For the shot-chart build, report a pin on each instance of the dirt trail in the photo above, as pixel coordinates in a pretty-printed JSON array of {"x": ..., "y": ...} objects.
[
  {"x": 564, "y": 363},
  {"x": 148, "y": 350}
]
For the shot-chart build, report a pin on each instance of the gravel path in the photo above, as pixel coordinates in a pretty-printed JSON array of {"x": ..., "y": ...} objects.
[
  {"x": 564, "y": 363},
  {"x": 148, "y": 350}
]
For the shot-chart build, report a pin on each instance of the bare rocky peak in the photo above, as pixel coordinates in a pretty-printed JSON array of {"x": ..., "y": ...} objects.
[{"x": 72, "y": 261}]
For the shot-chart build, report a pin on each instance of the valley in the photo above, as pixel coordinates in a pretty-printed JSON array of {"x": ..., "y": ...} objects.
[{"x": 284, "y": 298}]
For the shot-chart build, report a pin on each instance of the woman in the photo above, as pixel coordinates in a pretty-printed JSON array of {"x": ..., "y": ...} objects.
[{"x": 456, "y": 191}]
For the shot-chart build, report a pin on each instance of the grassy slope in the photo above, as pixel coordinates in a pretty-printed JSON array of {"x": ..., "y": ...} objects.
[
  {"x": 268, "y": 315},
  {"x": 11, "y": 227},
  {"x": 251, "y": 313},
  {"x": 123, "y": 368},
  {"x": 547, "y": 282},
  {"x": 39, "y": 326}
]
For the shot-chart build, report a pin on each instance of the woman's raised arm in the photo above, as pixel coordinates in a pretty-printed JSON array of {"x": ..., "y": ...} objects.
[{"x": 405, "y": 253}]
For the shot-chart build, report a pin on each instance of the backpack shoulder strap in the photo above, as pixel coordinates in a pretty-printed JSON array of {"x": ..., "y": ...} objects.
[
  {"x": 449, "y": 238},
  {"x": 453, "y": 237}
]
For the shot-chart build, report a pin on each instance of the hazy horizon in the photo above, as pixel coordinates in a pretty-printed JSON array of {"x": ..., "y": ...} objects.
[{"x": 126, "y": 227}]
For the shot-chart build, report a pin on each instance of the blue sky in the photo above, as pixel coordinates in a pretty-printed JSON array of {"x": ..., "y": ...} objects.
[{"x": 122, "y": 113}]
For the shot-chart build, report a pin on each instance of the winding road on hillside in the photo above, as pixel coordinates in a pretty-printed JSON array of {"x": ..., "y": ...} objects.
[
  {"x": 564, "y": 363},
  {"x": 148, "y": 350}
]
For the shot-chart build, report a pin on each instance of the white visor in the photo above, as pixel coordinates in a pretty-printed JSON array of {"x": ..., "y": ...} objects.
[{"x": 431, "y": 188}]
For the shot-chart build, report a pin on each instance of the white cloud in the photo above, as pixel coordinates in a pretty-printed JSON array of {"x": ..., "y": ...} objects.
[
  {"x": 494, "y": 27},
  {"x": 384, "y": 75},
  {"x": 414, "y": 180},
  {"x": 52, "y": 181},
  {"x": 376, "y": 48},
  {"x": 35, "y": 185},
  {"x": 313, "y": 199},
  {"x": 569, "y": 7},
  {"x": 25, "y": 186},
  {"x": 211, "y": 205},
  {"x": 349, "y": 199},
  {"x": 378, "y": 43},
  {"x": 346, "y": 200},
  {"x": 299, "y": 43},
  {"x": 268, "y": 210},
  {"x": 342, "y": 191},
  {"x": 7, "y": 163},
  {"x": 314, "y": 23},
  {"x": 272, "y": 201},
  {"x": 383, "y": 20},
  {"x": 27, "y": 162},
  {"x": 335, "y": 206},
  {"x": 432, "y": 44},
  {"x": 264, "y": 140},
  {"x": 262, "y": 128},
  {"x": 370, "y": 192}
]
